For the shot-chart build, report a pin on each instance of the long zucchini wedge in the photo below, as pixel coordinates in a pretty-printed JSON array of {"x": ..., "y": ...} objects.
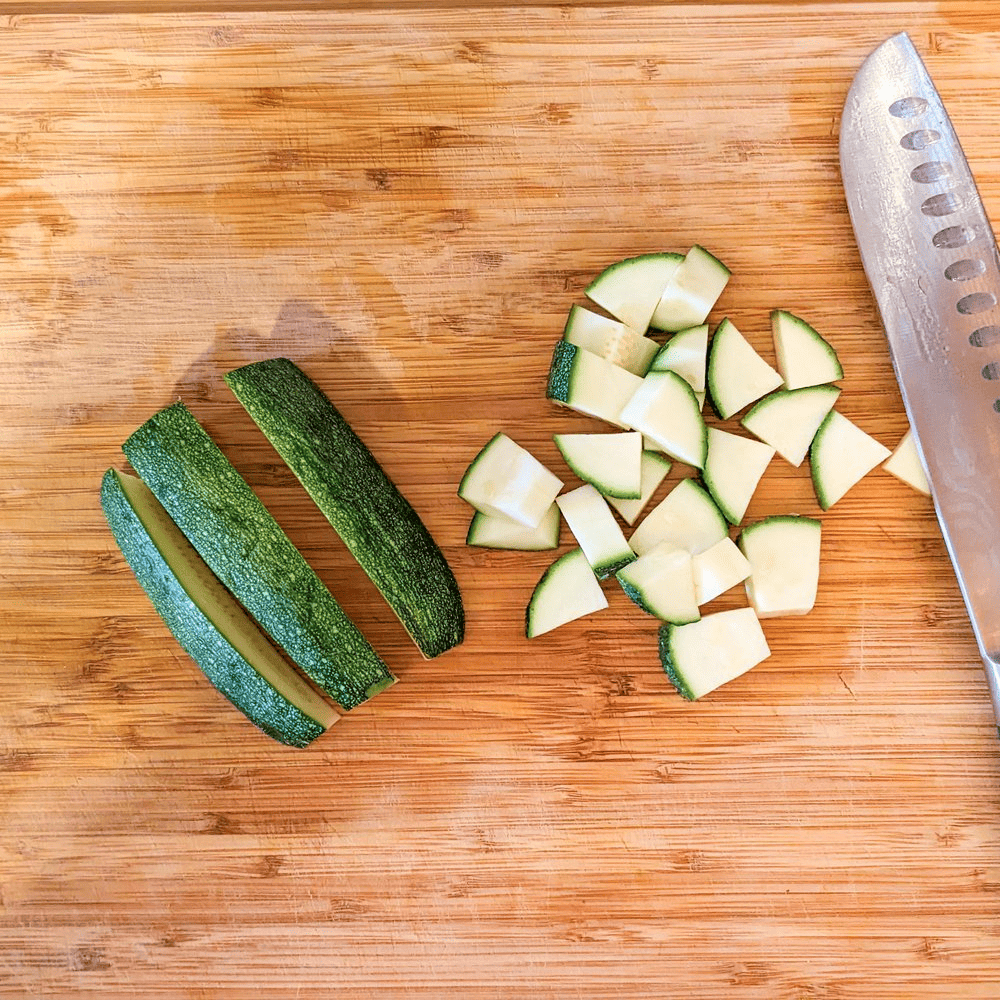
[
  {"x": 207, "y": 621},
  {"x": 375, "y": 521},
  {"x": 248, "y": 551}
]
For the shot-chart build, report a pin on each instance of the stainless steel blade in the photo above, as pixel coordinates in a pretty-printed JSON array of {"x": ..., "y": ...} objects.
[{"x": 931, "y": 258}]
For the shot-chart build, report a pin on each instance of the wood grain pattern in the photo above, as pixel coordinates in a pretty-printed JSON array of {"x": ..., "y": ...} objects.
[{"x": 407, "y": 205}]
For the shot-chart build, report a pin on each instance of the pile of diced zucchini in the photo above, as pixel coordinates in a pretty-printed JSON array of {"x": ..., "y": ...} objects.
[{"x": 643, "y": 357}]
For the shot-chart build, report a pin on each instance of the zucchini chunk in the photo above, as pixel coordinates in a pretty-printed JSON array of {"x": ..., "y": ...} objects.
[
  {"x": 737, "y": 375},
  {"x": 840, "y": 456},
  {"x": 733, "y": 469},
  {"x": 207, "y": 621},
  {"x": 631, "y": 289},
  {"x": 686, "y": 353},
  {"x": 653, "y": 469},
  {"x": 594, "y": 526},
  {"x": 665, "y": 409},
  {"x": 374, "y": 520},
  {"x": 495, "y": 531},
  {"x": 783, "y": 552},
  {"x": 716, "y": 649},
  {"x": 609, "y": 339},
  {"x": 804, "y": 357},
  {"x": 687, "y": 517},
  {"x": 788, "y": 419},
  {"x": 905, "y": 464},
  {"x": 610, "y": 462},
  {"x": 583, "y": 381},
  {"x": 567, "y": 590},
  {"x": 692, "y": 291},
  {"x": 252, "y": 556},
  {"x": 718, "y": 569},
  {"x": 505, "y": 479},
  {"x": 661, "y": 582}
]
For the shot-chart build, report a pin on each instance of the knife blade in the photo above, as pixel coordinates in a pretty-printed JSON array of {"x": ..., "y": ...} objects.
[{"x": 931, "y": 259}]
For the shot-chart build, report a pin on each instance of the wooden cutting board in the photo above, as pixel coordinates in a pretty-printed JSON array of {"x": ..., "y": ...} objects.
[{"x": 407, "y": 202}]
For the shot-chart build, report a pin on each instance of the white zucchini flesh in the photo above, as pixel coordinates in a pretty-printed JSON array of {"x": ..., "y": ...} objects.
[
  {"x": 686, "y": 353},
  {"x": 665, "y": 409},
  {"x": 692, "y": 291},
  {"x": 701, "y": 657},
  {"x": 653, "y": 469},
  {"x": 496, "y": 531},
  {"x": 733, "y": 469},
  {"x": 594, "y": 526},
  {"x": 784, "y": 557},
  {"x": 737, "y": 375},
  {"x": 804, "y": 357},
  {"x": 630, "y": 289},
  {"x": 585, "y": 382},
  {"x": 840, "y": 456},
  {"x": 610, "y": 339},
  {"x": 508, "y": 480},
  {"x": 788, "y": 419},
  {"x": 687, "y": 517},
  {"x": 905, "y": 464},
  {"x": 718, "y": 569},
  {"x": 661, "y": 582},
  {"x": 610, "y": 462},
  {"x": 567, "y": 590}
]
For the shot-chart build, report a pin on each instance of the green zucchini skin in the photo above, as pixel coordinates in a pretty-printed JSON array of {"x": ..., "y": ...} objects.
[
  {"x": 244, "y": 546},
  {"x": 377, "y": 524},
  {"x": 228, "y": 671},
  {"x": 665, "y": 641}
]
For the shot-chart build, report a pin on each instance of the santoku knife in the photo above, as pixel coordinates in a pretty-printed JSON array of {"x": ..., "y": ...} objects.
[{"x": 931, "y": 258}]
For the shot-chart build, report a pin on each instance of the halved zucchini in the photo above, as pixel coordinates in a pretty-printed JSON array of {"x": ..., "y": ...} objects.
[
  {"x": 207, "y": 621},
  {"x": 252, "y": 556},
  {"x": 373, "y": 519}
]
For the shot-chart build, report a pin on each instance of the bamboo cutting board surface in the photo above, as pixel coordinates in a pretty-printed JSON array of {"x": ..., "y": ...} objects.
[{"x": 406, "y": 202}]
